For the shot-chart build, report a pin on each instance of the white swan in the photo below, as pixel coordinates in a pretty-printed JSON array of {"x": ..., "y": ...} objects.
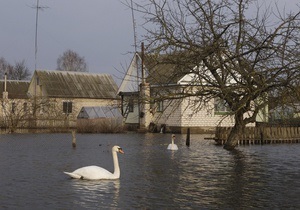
[
  {"x": 96, "y": 172},
  {"x": 172, "y": 146}
]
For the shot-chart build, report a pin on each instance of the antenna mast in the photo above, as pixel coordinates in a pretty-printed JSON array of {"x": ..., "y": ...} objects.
[
  {"x": 37, "y": 7},
  {"x": 134, "y": 27}
]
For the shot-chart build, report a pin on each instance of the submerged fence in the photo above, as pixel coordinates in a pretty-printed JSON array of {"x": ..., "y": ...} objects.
[{"x": 261, "y": 135}]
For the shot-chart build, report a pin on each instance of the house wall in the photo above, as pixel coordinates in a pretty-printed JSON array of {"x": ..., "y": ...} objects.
[
  {"x": 49, "y": 112},
  {"x": 178, "y": 116},
  {"x": 133, "y": 117},
  {"x": 204, "y": 117},
  {"x": 35, "y": 89},
  {"x": 54, "y": 115}
]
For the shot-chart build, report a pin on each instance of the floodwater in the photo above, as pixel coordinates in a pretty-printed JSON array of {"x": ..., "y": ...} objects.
[{"x": 202, "y": 176}]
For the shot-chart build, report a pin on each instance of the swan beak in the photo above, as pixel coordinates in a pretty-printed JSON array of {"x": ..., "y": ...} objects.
[{"x": 121, "y": 151}]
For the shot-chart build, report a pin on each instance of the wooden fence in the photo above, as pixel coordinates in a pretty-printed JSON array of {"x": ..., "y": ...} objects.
[{"x": 261, "y": 135}]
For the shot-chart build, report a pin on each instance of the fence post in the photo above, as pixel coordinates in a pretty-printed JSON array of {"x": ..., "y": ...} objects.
[{"x": 73, "y": 138}]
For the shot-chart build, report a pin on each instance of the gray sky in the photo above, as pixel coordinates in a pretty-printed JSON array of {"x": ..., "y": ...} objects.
[{"x": 99, "y": 30}]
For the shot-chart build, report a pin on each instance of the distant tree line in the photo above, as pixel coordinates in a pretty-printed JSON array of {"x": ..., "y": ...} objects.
[{"x": 68, "y": 61}]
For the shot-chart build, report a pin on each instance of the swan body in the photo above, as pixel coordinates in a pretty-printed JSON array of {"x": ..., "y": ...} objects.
[
  {"x": 96, "y": 172},
  {"x": 172, "y": 146}
]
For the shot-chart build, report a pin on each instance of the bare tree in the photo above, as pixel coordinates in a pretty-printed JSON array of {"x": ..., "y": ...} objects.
[
  {"x": 17, "y": 72},
  {"x": 233, "y": 54},
  {"x": 71, "y": 61}
]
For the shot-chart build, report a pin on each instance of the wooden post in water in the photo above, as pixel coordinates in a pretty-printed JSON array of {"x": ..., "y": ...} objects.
[
  {"x": 187, "y": 143},
  {"x": 73, "y": 138},
  {"x": 261, "y": 137}
]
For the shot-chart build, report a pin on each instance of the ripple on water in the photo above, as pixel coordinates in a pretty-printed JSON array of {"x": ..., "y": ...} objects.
[{"x": 200, "y": 176}]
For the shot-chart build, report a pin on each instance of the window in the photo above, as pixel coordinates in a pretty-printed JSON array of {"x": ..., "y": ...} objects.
[
  {"x": 67, "y": 107},
  {"x": 13, "y": 107},
  {"x": 25, "y": 107},
  {"x": 156, "y": 106},
  {"x": 160, "y": 106},
  {"x": 221, "y": 107},
  {"x": 130, "y": 105}
]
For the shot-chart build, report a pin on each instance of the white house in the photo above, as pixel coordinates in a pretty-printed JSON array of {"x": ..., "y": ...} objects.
[{"x": 144, "y": 105}]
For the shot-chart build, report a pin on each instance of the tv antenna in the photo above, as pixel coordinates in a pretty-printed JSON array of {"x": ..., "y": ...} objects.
[
  {"x": 37, "y": 7},
  {"x": 134, "y": 27}
]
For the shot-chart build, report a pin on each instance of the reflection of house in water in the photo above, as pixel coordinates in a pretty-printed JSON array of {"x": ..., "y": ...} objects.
[{"x": 146, "y": 103}]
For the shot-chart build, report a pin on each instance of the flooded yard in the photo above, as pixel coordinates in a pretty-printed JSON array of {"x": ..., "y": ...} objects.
[{"x": 202, "y": 176}]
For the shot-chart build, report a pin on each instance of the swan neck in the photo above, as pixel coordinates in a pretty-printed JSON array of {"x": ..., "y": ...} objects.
[{"x": 116, "y": 164}]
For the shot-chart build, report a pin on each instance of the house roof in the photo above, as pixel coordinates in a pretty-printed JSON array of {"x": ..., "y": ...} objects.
[
  {"x": 77, "y": 84},
  {"x": 17, "y": 89},
  {"x": 160, "y": 71}
]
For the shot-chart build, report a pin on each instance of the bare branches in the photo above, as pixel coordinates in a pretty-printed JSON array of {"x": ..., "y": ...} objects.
[
  {"x": 17, "y": 72},
  {"x": 231, "y": 50},
  {"x": 71, "y": 61}
]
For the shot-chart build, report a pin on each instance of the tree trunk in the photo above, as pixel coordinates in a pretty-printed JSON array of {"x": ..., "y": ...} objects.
[{"x": 235, "y": 132}]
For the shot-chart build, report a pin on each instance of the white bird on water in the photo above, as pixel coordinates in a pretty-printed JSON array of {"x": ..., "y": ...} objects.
[
  {"x": 96, "y": 172},
  {"x": 172, "y": 146}
]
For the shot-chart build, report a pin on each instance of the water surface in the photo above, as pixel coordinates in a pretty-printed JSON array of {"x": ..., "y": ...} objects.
[{"x": 202, "y": 176}]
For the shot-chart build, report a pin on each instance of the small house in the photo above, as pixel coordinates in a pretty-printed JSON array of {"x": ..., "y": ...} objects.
[
  {"x": 58, "y": 96},
  {"x": 145, "y": 103}
]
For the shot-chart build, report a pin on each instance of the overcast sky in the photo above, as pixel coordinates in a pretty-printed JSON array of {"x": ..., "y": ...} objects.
[{"x": 99, "y": 30}]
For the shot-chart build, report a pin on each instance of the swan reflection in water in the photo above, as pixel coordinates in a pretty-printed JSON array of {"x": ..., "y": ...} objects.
[{"x": 104, "y": 191}]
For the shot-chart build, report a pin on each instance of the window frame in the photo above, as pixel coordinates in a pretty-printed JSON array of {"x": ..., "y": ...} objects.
[
  {"x": 220, "y": 107},
  {"x": 67, "y": 107}
]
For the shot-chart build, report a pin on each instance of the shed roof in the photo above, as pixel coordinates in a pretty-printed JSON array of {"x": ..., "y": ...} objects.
[
  {"x": 17, "y": 89},
  {"x": 77, "y": 84},
  {"x": 99, "y": 112}
]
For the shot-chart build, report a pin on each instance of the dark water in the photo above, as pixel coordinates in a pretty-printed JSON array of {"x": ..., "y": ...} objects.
[{"x": 202, "y": 176}]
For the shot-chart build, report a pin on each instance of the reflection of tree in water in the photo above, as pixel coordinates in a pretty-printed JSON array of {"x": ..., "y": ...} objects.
[
  {"x": 236, "y": 182},
  {"x": 96, "y": 193},
  {"x": 244, "y": 184}
]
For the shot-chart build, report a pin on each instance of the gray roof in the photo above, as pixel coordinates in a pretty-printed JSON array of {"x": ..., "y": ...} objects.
[
  {"x": 17, "y": 89},
  {"x": 99, "y": 112},
  {"x": 160, "y": 70},
  {"x": 69, "y": 84}
]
